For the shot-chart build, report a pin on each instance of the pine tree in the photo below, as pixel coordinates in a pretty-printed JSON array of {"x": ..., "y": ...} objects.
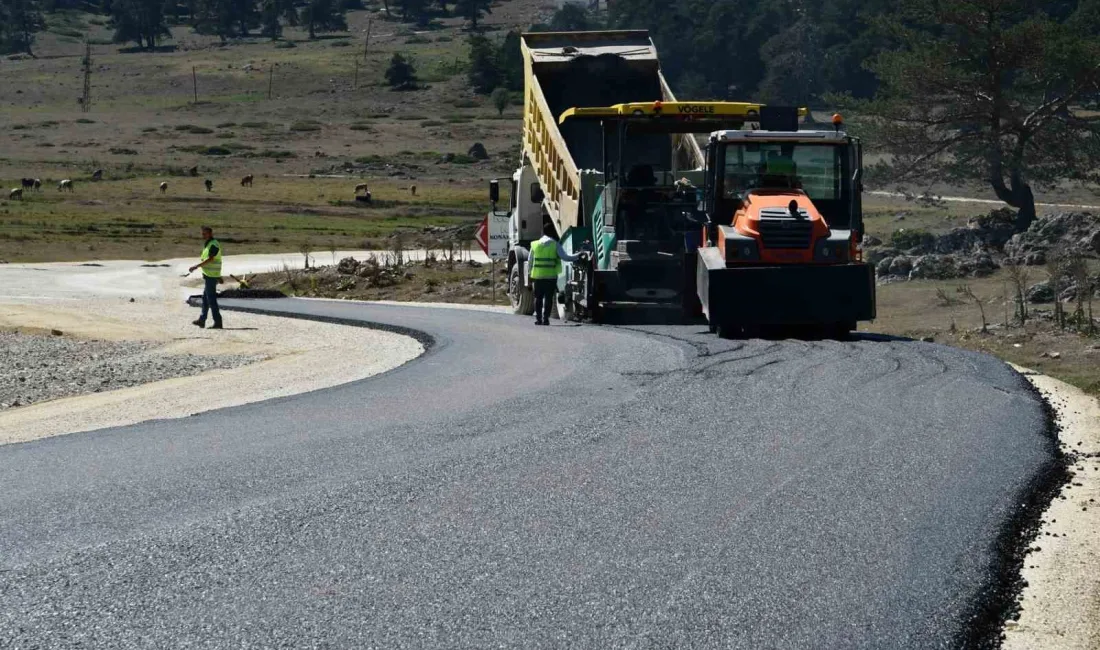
[
  {"x": 226, "y": 18},
  {"x": 473, "y": 10},
  {"x": 21, "y": 19},
  {"x": 484, "y": 73},
  {"x": 501, "y": 98},
  {"x": 987, "y": 92},
  {"x": 792, "y": 69},
  {"x": 571, "y": 17},
  {"x": 509, "y": 62},
  {"x": 323, "y": 16},
  {"x": 272, "y": 15},
  {"x": 140, "y": 21},
  {"x": 415, "y": 11},
  {"x": 401, "y": 75}
]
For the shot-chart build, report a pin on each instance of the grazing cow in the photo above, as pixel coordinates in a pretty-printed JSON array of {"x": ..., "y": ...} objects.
[
  {"x": 163, "y": 187},
  {"x": 65, "y": 185},
  {"x": 361, "y": 187},
  {"x": 194, "y": 171},
  {"x": 209, "y": 185},
  {"x": 38, "y": 185},
  {"x": 246, "y": 181},
  {"x": 15, "y": 193},
  {"x": 28, "y": 183},
  {"x": 412, "y": 190},
  {"x": 97, "y": 175}
]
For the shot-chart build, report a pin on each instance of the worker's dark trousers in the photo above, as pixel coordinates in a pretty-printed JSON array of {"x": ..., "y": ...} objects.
[
  {"x": 544, "y": 298},
  {"x": 210, "y": 300}
]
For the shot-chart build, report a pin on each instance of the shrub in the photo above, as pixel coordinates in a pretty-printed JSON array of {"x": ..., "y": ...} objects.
[
  {"x": 907, "y": 239},
  {"x": 285, "y": 45},
  {"x": 255, "y": 125},
  {"x": 85, "y": 120},
  {"x": 361, "y": 126},
  {"x": 411, "y": 118},
  {"x": 197, "y": 130},
  {"x": 270, "y": 153},
  {"x": 430, "y": 123},
  {"x": 149, "y": 129},
  {"x": 306, "y": 125},
  {"x": 122, "y": 151},
  {"x": 340, "y": 44},
  {"x": 464, "y": 103},
  {"x": 226, "y": 125}
]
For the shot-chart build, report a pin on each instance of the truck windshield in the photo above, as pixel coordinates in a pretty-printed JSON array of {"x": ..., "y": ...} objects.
[{"x": 817, "y": 169}]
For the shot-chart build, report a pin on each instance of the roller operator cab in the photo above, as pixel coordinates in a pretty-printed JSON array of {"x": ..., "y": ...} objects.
[{"x": 784, "y": 227}]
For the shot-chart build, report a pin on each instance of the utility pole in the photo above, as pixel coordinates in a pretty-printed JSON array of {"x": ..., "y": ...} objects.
[
  {"x": 195, "y": 83},
  {"x": 86, "y": 98},
  {"x": 270, "y": 79},
  {"x": 356, "y": 85}
]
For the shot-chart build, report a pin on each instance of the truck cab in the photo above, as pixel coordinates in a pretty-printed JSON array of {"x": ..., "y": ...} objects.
[{"x": 784, "y": 197}]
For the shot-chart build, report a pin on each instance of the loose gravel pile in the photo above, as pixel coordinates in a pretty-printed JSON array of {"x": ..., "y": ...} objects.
[{"x": 37, "y": 368}]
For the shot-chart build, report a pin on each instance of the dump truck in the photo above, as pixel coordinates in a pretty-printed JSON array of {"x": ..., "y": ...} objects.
[
  {"x": 565, "y": 168},
  {"x": 612, "y": 160}
]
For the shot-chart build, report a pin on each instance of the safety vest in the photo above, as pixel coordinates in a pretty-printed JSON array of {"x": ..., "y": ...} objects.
[
  {"x": 545, "y": 263},
  {"x": 781, "y": 166},
  {"x": 213, "y": 269}
]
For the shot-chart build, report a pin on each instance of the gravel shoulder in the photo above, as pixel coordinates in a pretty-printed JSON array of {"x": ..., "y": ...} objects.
[
  {"x": 1060, "y": 608},
  {"x": 37, "y": 368},
  {"x": 255, "y": 358}
]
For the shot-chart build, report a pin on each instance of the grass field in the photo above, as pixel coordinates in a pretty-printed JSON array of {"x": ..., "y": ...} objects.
[
  {"x": 329, "y": 113},
  {"x": 131, "y": 219}
]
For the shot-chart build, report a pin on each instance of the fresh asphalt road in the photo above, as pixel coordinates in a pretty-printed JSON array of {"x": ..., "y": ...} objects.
[{"x": 516, "y": 486}]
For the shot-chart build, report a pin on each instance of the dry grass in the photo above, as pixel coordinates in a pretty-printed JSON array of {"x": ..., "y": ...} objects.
[
  {"x": 131, "y": 219},
  {"x": 918, "y": 309},
  {"x": 457, "y": 282}
]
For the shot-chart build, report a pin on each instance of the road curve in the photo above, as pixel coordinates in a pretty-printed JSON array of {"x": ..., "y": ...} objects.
[{"x": 538, "y": 487}]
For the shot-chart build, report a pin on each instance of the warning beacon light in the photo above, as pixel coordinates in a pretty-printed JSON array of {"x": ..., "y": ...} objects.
[{"x": 838, "y": 121}]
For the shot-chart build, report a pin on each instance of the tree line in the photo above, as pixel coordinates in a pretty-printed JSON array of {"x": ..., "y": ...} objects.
[
  {"x": 146, "y": 22},
  {"x": 1000, "y": 94}
]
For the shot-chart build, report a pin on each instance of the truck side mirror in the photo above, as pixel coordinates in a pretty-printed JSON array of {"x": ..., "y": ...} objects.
[
  {"x": 537, "y": 195},
  {"x": 494, "y": 192}
]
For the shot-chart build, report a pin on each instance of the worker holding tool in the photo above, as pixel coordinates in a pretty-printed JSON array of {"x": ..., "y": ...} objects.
[
  {"x": 211, "y": 265},
  {"x": 544, "y": 268}
]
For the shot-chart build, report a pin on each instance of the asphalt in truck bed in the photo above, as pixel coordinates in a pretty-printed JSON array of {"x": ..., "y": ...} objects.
[{"x": 517, "y": 486}]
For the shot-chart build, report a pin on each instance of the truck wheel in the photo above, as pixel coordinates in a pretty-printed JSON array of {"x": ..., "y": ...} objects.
[
  {"x": 523, "y": 300},
  {"x": 843, "y": 331},
  {"x": 726, "y": 331}
]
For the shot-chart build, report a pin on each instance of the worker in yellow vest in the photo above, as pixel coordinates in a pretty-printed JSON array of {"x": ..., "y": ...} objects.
[
  {"x": 211, "y": 265},
  {"x": 544, "y": 267}
]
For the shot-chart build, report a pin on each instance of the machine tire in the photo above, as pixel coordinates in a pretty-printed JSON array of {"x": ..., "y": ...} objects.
[
  {"x": 523, "y": 299},
  {"x": 843, "y": 331},
  {"x": 726, "y": 331}
]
